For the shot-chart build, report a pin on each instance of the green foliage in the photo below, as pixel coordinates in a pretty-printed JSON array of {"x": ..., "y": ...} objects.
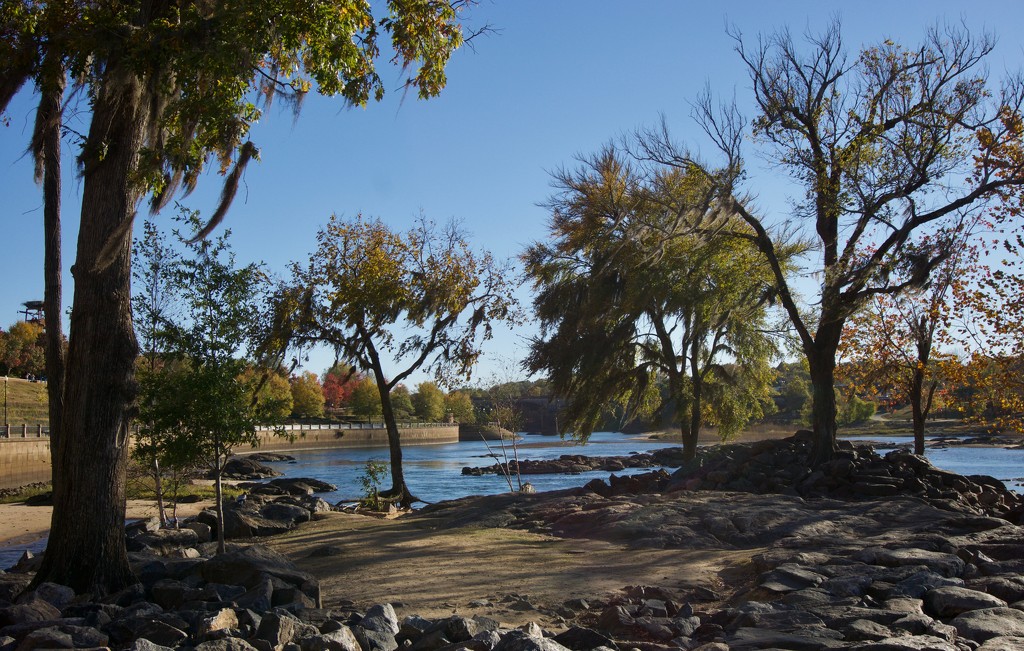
[
  {"x": 423, "y": 296},
  {"x": 628, "y": 295},
  {"x": 208, "y": 69},
  {"x": 23, "y": 350},
  {"x": 373, "y": 473},
  {"x": 198, "y": 403},
  {"x": 365, "y": 399},
  {"x": 307, "y": 396},
  {"x": 274, "y": 396},
  {"x": 428, "y": 402},
  {"x": 793, "y": 397},
  {"x": 854, "y": 410},
  {"x": 401, "y": 402},
  {"x": 460, "y": 406}
]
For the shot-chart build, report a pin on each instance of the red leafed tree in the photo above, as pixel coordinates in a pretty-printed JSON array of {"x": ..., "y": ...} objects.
[
  {"x": 888, "y": 348},
  {"x": 338, "y": 383}
]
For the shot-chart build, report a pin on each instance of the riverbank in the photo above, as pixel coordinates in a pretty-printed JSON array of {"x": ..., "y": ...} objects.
[{"x": 21, "y": 524}]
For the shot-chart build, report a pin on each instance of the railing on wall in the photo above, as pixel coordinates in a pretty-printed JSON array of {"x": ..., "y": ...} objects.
[{"x": 25, "y": 431}]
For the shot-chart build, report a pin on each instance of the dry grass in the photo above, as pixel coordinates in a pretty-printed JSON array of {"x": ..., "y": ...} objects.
[{"x": 26, "y": 402}]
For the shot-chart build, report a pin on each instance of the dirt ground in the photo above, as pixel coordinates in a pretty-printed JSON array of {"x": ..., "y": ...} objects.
[
  {"x": 21, "y": 524},
  {"x": 433, "y": 569}
]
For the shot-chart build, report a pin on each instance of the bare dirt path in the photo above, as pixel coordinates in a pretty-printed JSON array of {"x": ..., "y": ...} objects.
[
  {"x": 435, "y": 570},
  {"x": 21, "y": 524}
]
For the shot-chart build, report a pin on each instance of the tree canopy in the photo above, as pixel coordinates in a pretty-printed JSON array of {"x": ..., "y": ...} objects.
[
  {"x": 172, "y": 88},
  {"x": 424, "y": 297},
  {"x": 889, "y": 146},
  {"x": 625, "y": 298}
]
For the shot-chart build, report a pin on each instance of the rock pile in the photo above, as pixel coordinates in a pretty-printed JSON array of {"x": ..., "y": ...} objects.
[
  {"x": 574, "y": 464},
  {"x": 957, "y": 588},
  {"x": 858, "y": 472}
]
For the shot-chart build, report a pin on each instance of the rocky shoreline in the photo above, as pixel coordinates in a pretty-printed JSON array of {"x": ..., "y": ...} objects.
[{"x": 837, "y": 562}]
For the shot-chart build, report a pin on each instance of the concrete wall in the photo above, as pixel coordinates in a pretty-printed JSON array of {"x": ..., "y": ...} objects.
[
  {"x": 27, "y": 460},
  {"x": 318, "y": 439},
  {"x": 24, "y": 461}
]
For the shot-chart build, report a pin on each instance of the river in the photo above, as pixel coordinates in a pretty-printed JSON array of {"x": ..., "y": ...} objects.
[{"x": 434, "y": 472}]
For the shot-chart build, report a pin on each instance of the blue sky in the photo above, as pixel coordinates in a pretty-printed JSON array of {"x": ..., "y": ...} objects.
[{"x": 559, "y": 78}]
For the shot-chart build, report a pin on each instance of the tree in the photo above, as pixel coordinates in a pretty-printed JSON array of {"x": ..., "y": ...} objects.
[
  {"x": 172, "y": 86},
  {"x": 273, "y": 395},
  {"x": 989, "y": 309},
  {"x": 205, "y": 404},
  {"x": 422, "y": 295},
  {"x": 338, "y": 383},
  {"x": 893, "y": 145},
  {"x": 154, "y": 298},
  {"x": 23, "y": 349},
  {"x": 428, "y": 401},
  {"x": 460, "y": 406},
  {"x": 365, "y": 400},
  {"x": 623, "y": 299},
  {"x": 887, "y": 346},
  {"x": 307, "y": 396},
  {"x": 401, "y": 402}
]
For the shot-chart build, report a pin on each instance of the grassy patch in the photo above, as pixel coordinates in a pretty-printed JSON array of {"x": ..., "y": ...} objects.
[
  {"x": 27, "y": 402},
  {"x": 22, "y": 493},
  {"x": 143, "y": 488}
]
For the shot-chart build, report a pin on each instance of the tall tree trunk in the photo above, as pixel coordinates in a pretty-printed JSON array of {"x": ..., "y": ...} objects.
[
  {"x": 917, "y": 409},
  {"x": 86, "y": 549},
  {"x": 822, "y": 367},
  {"x": 218, "y": 491},
  {"x": 398, "y": 492},
  {"x": 696, "y": 397},
  {"x": 49, "y": 122}
]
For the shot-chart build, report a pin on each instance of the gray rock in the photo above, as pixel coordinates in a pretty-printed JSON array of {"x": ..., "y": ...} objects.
[
  {"x": 905, "y": 605},
  {"x": 165, "y": 540},
  {"x": 302, "y": 485},
  {"x": 342, "y": 639},
  {"x": 579, "y": 638},
  {"x": 1007, "y": 588},
  {"x": 226, "y": 644},
  {"x": 950, "y": 601},
  {"x": 160, "y": 633},
  {"x": 12, "y": 585},
  {"x": 985, "y": 624},
  {"x": 808, "y": 640},
  {"x": 382, "y": 618},
  {"x": 146, "y": 645},
  {"x": 948, "y": 565},
  {"x": 860, "y": 630},
  {"x": 279, "y": 629},
  {"x": 847, "y": 586},
  {"x": 46, "y": 638},
  {"x": 909, "y": 643},
  {"x": 203, "y": 531},
  {"x": 249, "y": 566},
  {"x": 919, "y": 583},
  {"x": 685, "y": 626},
  {"x": 371, "y": 640},
  {"x": 285, "y": 512},
  {"x": 223, "y": 619},
  {"x": 33, "y": 610},
  {"x": 1003, "y": 643},
  {"x": 790, "y": 577},
  {"x": 54, "y": 594},
  {"x": 520, "y": 641}
]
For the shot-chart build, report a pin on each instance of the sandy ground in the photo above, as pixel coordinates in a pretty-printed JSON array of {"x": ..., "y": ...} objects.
[
  {"x": 21, "y": 524},
  {"x": 433, "y": 569}
]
